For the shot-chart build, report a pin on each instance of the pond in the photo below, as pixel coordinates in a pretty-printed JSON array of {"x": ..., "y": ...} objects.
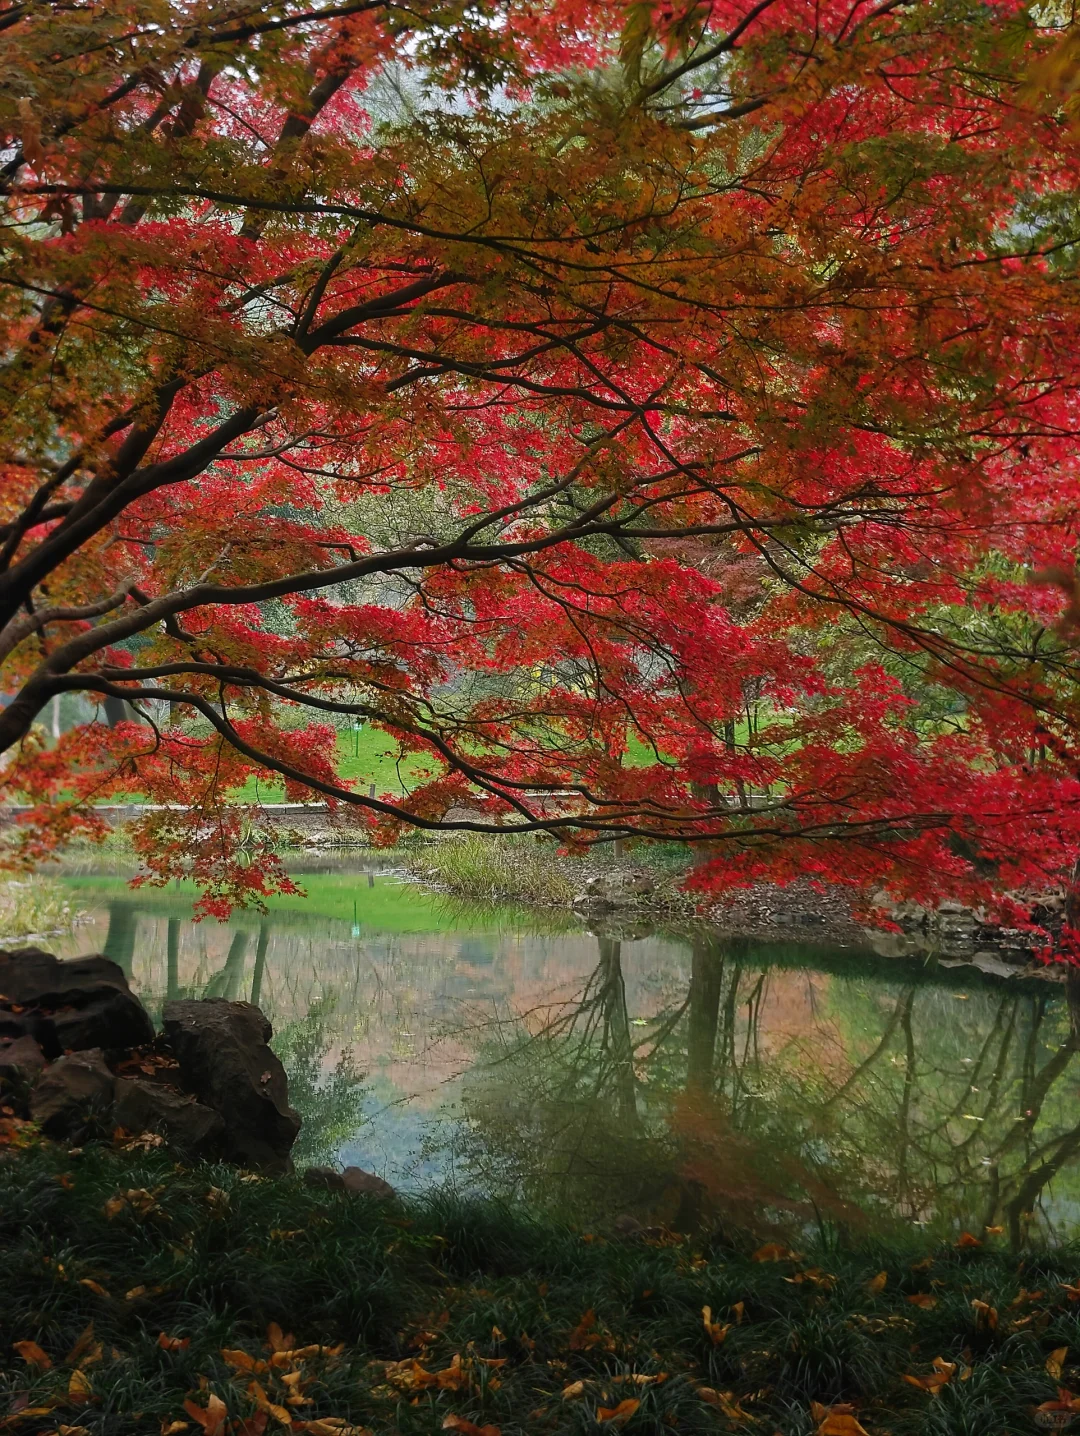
[{"x": 680, "y": 1077}]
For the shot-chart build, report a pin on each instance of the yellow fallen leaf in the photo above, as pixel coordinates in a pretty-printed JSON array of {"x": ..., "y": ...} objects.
[
  {"x": 173, "y": 1343},
  {"x": 275, "y": 1337},
  {"x": 878, "y": 1283},
  {"x": 79, "y": 1388},
  {"x": 836, "y": 1420},
  {"x": 965, "y": 1240},
  {"x": 468, "y": 1428},
  {"x": 986, "y": 1317},
  {"x": 617, "y": 1415},
  {"x": 994, "y": 1231},
  {"x": 924, "y": 1300},
  {"x": 333, "y": 1426},
  {"x": 724, "y": 1401},
  {"x": 715, "y": 1331},
  {"x": 942, "y": 1374},
  {"x": 63, "y": 1430},
  {"x": 1055, "y": 1362},
  {"x": 135, "y": 1293},
  {"x": 32, "y": 1354},
  {"x": 172, "y": 1427},
  {"x": 263, "y": 1402},
  {"x": 573, "y": 1391},
  {"x": 212, "y": 1419},
  {"x": 241, "y": 1361},
  {"x": 740, "y": 1310},
  {"x": 98, "y": 1290}
]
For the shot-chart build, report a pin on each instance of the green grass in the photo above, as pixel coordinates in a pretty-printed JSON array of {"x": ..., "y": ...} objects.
[
  {"x": 369, "y": 756},
  {"x": 37, "y": 906},
  {"x": 213, "y": 1257},
  {"x": 519, "y": 869}
]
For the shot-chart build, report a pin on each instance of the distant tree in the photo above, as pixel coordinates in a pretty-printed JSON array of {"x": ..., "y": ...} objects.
[{"x": 600, "y": 289}]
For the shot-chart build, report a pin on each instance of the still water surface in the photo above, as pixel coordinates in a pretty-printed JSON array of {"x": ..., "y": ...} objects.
[{"x": 684, "y": 1078}]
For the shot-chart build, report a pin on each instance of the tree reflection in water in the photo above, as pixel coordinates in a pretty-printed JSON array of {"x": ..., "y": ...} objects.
[{"x": 901, "y": 1100}]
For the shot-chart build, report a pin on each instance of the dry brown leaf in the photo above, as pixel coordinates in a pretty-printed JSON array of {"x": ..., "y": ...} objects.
[
  {"x": 241, "y": 1361},
  {"x": 135, "y": 1293},
  {"x": 212, "y": 1420},
  {"x": 617, "y": 1415},
  {"x": 250, "y": 1426},
  {"x": 32, "y": 1354},
  {"x": 573, "y": 1391},
  {"x": 740, "y": 1311},
  {"x": 986, "y": 1317},
  {"x": 170, "y": 1428},
  {"x": 878, "y": 1283},
  {"x": 715, "y": 1331},
  {"x": 966, "y": 1240},
  {"x": 263, "y": 1402},
  {"x": 584, "y": 1335},
  {"x": 724, "y": 1401},
  {"x": 1025, "y": 1296},
  {"x": 836, "y": 1420},
  {"x": 94, "y": 1286},
  {"x": 468, "y": 1428},
  {"x": 275, "y": 1337},
  {"x": 332, "y": 1426},
  {"x": 173, "y": 1343},
  {"x": 63, "y": 1430},
  {"x": 994, "y": 1231},
  {"x": 1066, "y": 1401},
  {"x": 79, "y": 1388},
  {"x": 924, "y": 1300},
  {"x": 943, "y": 1373},
  {"x": 86, "y": 1350},
  {"x": 773, "y": 1251},
  {"x": 1055, "y": 1362}
]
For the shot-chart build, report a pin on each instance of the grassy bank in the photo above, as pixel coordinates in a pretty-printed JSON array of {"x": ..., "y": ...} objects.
[
  {"x": 35, "y": 907},
  {"x": 139, "y": 1296},
  {"x": 498, "y": 869}
]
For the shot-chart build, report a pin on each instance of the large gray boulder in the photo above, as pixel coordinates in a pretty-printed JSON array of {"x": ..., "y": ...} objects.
[
  {"x": 73, "y": 1096},
  {"x": 224, "y": 1059},
  {"x": 190, "y": 1130},
  {"x": 69, "y": 1006},
  {"x": 618, "y": 887}
]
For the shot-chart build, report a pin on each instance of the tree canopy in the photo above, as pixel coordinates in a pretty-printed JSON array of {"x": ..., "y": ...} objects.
[{"x": 659, "y": 419}]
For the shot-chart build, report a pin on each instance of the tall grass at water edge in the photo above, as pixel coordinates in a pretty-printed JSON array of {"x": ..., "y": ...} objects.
[
  {"x": 498, "y": 868},
  {"x": 35, "y": 908}
]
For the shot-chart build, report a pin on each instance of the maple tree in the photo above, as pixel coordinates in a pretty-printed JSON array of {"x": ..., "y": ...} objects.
[{"x": 545, "y": 384}]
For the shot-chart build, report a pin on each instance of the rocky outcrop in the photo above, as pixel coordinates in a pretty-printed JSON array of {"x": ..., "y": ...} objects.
[
  {"x": 190, "y": 1129},
  {"x": 224, "y": 1060},
  {"x": 69, "y": 1006},
  {"x": 617, "y": 888},
  {"x": 73, "y": 1096},
  {"x": 78, "y": 1054},
  {"x": 353, "y": 1181}
]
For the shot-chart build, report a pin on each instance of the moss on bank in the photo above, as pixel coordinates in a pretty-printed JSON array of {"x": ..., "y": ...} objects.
[{"x": 187, "y": 1275}]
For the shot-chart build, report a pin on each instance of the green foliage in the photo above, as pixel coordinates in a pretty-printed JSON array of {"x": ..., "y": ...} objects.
[
  {"x": 522, "y": 869},
  {"x": 35, "y": 907}
]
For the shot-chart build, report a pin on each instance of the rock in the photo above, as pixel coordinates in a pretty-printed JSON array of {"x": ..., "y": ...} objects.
[
  {"x": 73, "y": 1096},
  {"x": 324, "y": 1178},
  {"x": 616, "y": 888},
  {"x": 191, "y": 1130},
  {"x": 69, "y": 1006},
  {"x": 366, "y": 1184},
  {"x": 21, "y": 1059},
  {"x": 224, "y": 1060}
]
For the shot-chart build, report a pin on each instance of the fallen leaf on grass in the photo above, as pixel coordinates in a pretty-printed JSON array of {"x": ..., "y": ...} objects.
[
  {"x": 965, "y": 1241},
  {"x": 173, "y": 1343},
  {"x": 1055, "y": 1362},
  {"x": 986, "y": 1317},
  {"x": 332, "y": 1426},
  {"x": 617, "y": 1415},
  {"x": 241, "y": 1361},
  {"x": 32, "y": 1354},
  {"x": 924, "y": 1300},
  {"x": 878, "y": 1283},
  {"x": 773, "y": 1251},
  {"x": 212, "y": 1420},
  {"x": 275, "y": 1337},
  {"x": 836, "y": 1420},
  {"x": 263, "y": 1402},
  {"x": 1025, "y": 1296},
  {"x": 468, "y": 1428},
  {"x": 724, "y": 1401},
  {"x": 86, "y": 1350},
  {"x": 941, "y": 1376},
  {"x": 95, "y": 1287},
  {"x": 170, "y": 1428},
  {"x": 739, "y": 1310},
  {"x": 72, "y": 1431},
  {"x": 583, "y": 1335},
  {"x": 573, "y": 1391},
  {"x": 25, "y": 1413},
  {"x": 1066, "y": 1401},
  {"x": 716, "y": 1332},
  {"x": 79, "y": 1388}
]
